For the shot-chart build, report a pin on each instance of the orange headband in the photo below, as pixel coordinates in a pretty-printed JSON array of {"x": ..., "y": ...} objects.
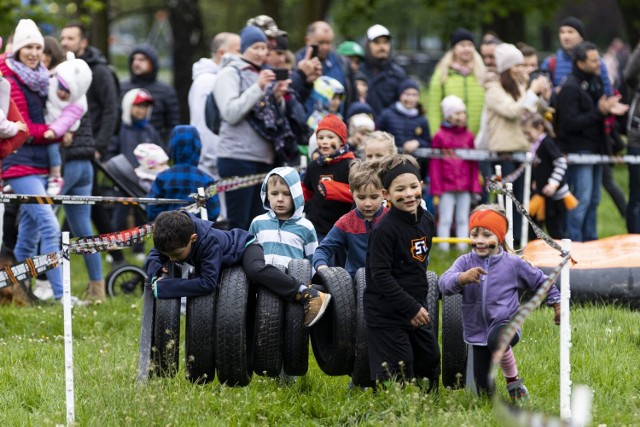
[{"x": 491, "y": 220}]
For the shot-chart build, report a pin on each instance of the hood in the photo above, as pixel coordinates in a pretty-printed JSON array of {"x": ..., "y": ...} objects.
[
  {"x": 75, "y": 75},
  {"x": 150, "y": 52},
  {"x": 292, "y": 178},
  {"x": 93, "y": 56},
  {"x": 127, "y": 102},
  {"x": 204, "y": 66},
  {"x": 234, "y": 60},
  {"x": 185, "y": 145}
]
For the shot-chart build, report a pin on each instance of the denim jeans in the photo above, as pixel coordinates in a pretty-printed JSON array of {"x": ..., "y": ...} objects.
[
  {"x": 245, "y": 204},
  {"x": 37, "y": 224},
  {"x": 53, "y": 152},
  {"x": 584, "y": 182},
  {"x": 633, "y": 207},
  {"x": 78, "y": 181}
]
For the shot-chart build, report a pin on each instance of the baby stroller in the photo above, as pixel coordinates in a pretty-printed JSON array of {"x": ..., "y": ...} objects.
[{"x": 126, "y": 279}]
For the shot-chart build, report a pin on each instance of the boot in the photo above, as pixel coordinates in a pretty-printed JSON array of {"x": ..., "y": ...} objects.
[{"x": 95, "y": 291}]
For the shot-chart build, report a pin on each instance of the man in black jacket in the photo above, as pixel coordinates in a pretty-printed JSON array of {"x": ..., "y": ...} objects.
[
  {"x": 143, "y": 69},
  {"x": 383, "y": 76},
  {"x": 582, "y": 107}
]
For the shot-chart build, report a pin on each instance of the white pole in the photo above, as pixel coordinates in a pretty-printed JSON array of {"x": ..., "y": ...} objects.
[
  {"x": 565, "y": 339},
  {"x": 68, "y": 336},
  {"x": 524, "y": 234},
  {"x": 509, "y": 208},
  {"x": 500, "y": 197},
  {"x": 203, "y": 209},
  {"x": 581, "y": 406}
]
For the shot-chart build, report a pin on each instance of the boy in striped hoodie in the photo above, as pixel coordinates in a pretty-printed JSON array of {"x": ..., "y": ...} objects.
[{"x": 283, "y": 232}]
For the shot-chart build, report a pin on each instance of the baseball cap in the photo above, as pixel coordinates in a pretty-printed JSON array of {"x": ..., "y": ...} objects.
[
  {"x": 141, "y": 97},
  {"x": 350, "y": 48},
  {"x": 376, "y": 31}
]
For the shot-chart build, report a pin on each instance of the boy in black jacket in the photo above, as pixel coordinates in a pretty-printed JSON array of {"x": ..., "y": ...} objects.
[
  {"x": 182, "y": 237},
  {"x": 401, "y": 339}
]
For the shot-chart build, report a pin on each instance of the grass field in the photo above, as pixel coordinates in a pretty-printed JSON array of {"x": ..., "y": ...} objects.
[{"x": 606, "y": 344}]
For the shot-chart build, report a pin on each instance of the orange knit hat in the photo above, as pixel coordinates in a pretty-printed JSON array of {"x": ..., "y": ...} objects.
[
  {"x": 491, "y": 220},
  {"x": 334, "y": 124}
]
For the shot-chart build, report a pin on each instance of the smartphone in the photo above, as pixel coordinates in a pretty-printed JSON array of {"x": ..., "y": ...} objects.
[
  {"x": 314, "y": 50},
  {"x": 281, "y": 73}
]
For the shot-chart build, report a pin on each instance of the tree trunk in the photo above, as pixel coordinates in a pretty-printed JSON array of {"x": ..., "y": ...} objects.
[
  {"x": 509, "y": 28},
  {"x": 630, "y": 10},
  {"x": 100, "y": 29},
  {"x": 315, "y": 10},
  {"x": 186, "y": 25},
  {"x": 272, "y": 9}
]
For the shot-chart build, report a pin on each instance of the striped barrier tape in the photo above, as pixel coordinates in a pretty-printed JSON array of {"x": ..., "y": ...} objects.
[
  {"x": 485, "y": 155},
  {"x": 32, "y": 267},
  {"x": 85, "y": 200}
]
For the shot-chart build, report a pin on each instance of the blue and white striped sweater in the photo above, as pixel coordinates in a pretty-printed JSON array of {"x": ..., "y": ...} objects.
[{"x": 283, "y": 241}]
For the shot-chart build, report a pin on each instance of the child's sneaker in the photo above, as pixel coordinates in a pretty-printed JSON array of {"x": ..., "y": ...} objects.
[
  {"x": 43, "y": 290},
  {"x": 517, "y": 391},
  {"x": 54, "y": 185},
  {"x": 315, "y": 304}
]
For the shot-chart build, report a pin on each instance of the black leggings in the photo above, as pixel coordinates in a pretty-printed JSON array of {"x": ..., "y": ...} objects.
[
  {"x": 257, "y": 271},
  {"x": 482, "y": 359}
]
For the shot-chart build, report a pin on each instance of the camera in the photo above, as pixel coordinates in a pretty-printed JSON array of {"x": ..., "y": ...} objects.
[{"x": 281, "y": 73}]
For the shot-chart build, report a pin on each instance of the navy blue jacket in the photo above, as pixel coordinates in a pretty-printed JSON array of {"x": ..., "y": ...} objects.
[
  {"x": 404, "y": 128},
  {"x": 212, "y": 251},
  {"x": 383, "y": 83}
]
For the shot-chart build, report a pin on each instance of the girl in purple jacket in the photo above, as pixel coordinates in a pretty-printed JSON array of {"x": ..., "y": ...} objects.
[{"x": 489, "y": 278}]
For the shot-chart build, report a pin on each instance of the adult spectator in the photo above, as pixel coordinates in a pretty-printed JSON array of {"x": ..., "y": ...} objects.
[
  {"x": 243, "y": 151},
  {"x": 582, "y": 107},
  {"x": 506, "y": 100},
  {"x": 143, "y": 71},
  {"x": 632, "y": 78},
  {"x": 277, "y": 41},
  {"x": 383, "y": 76},
  {"x": 488, "y": 50},
  {"x": 25, "y": 170},
  {"x": 570, "y": 33},
  {"x": 321, "y": 34},
  {"x": 460, "y": 72},
  {"x": 102, "y": 99},
  {"x": 204, "y": 79}
]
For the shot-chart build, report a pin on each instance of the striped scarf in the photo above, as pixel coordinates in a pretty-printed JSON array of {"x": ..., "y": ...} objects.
[{"x": 35, "y": 79}]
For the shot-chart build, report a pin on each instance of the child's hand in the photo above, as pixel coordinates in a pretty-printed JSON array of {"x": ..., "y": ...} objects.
[
  {"x": 556, "y": 310},
  {"x": 549, "y": 190},
  {"x": 471, "y": 276},
  {"x": 22, "y": 126},
  {"x": 49, "y": 134},
  {"x": 67, "y": 139},
  {"x": 420, "y": 319}
]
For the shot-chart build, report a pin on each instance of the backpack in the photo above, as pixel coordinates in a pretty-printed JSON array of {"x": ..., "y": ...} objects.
[{"x": 212, "y": 116}]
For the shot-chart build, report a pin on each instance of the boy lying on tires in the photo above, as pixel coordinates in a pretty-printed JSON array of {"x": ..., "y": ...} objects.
[{"x": 182, "y": 237}]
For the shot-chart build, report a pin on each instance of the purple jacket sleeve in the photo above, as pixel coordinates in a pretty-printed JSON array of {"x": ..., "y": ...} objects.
[
  {"x": 449, "y": 282},
  {"x": 69, "y": 115}
]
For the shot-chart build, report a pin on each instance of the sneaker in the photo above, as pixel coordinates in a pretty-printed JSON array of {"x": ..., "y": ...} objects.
[
  {"x": 43, "y": 290},
  {"x": 517, "y": 391},
  {"x": 54, "y": 185},
  {"x": 315, "y": 304},
  {"x": 75, "y": 302}
]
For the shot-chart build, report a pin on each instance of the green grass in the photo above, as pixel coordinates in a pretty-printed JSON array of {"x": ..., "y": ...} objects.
[{"x": 606, "y": 344}]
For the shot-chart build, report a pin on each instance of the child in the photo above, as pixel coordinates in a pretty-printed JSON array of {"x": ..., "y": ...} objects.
[
  {"x": 153, "y": 160},
  {"x": 405, "y": 119},
  {"x": 360, "y": 126},
  {"x": 325, "y": 185},
  {"x": 402, "y": 343},
  {"x": 181, "y": 237},
  {"x": 135, "y": 127},
  {"x": 378, "y": 146},
  {"x": 327, "y": 98},
  {"x": 66, "y": 104},
  {"x": 489, "y": 279},
  {"x": 351, "y": 231},
  {"x": 551, "y": 197},
  {"x": 453, "y": 180},
  {"x": 283, "y": 232},
  {"x": 8, "y": 128},
  {"x": 184, "y": 177}
]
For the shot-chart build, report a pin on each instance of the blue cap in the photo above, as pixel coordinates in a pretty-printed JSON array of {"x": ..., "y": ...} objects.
[{"x": 250, "y": 35}]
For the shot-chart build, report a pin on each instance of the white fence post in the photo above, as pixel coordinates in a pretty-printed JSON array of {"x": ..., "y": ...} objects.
[
  {"x": 565, "y": 338},
  {"x": 524, "y": 232},
  {"x": 68, "y": 335},
  {"x": 508, "y": 205},
  {"x": 499, "y": 197},
  {"x": 203, "y": 209}
]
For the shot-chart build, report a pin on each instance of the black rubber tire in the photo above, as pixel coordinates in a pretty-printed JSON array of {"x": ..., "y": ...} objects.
[
  {"x": 199, "y": 340},
  {"x": 267, "y": 355},
  {"x": 146, "y": 336},
  {"x": 361, "y": 375},
  {"x": 125, "y": 280},
  {"x": 432, "y": 303},
  {"x": 332, "y": 338},
  {"x": 454, "y": 349},
  {"x": 166, "y": 337},
  {"x": 234, "y": 325},
  {"x": 295, "y": 340}
]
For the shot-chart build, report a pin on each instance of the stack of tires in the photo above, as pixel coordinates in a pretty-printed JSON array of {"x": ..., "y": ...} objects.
[{"x": 244, "y": 329}]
